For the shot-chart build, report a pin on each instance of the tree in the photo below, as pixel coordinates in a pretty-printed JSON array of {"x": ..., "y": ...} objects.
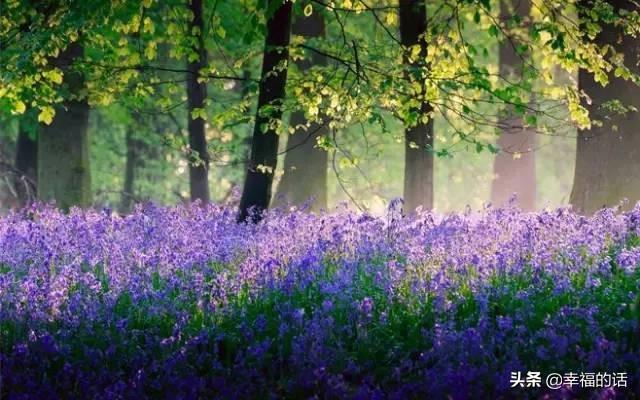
[
  {"x": 132, "y": 163},
  {"x": 256, "y": 193},
  {"x": 63, "y": 157},
  {"x": 196, "y": 95},
  {"x": 7, "y": 174},
  {"x": 608, "y": 152},
  {"x": 305, "y": 164},
  {"x": 514, "y": 167},
  {"x": 418, "y": 169},
  {"x": 26, "y": 163},
  {"x": 376, "y": 77}
]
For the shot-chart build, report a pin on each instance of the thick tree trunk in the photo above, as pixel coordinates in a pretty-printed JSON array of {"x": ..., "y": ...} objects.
[
  {"x": 514, "y": 175},
  {"x": 196, "y": 94},
  {"x": 131, "y": 164},
  {"x": 418, "y": 165},
  {"x": 608, "y": 156},
  {"x": 305, "y": 165},
  {"x": 264, "y": 146},
  {"x": 26, "y": 165},
  {"x": 63, "y": 157},
  {"x": 7, "y": 193}
]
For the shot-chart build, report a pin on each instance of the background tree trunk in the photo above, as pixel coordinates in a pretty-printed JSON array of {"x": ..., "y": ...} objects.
[
  {"x": 305, "y": 165},
  {"x": 196, "y": 94},
  {"x": 514, "y": 175},
  {"x": 418, "y": 165},
  {"x": 264, "y": 146},
  {"x": 63, "y": 157},
  {"x": 608, "y": 156},
  {"x": 246, "y": 142},
  {"x": 7, "y": 193},
  {"x": 131, "y": 164},
  {"x": 26, "y": 165}
]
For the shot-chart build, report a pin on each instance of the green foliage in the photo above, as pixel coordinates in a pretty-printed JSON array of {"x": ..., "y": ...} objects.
[{"x": 135, "y": 55}]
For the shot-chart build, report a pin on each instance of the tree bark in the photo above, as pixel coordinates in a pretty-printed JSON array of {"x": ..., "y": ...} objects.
[
  {"x": 514, "y": 176},
  {"x": 131, "y": 164},
  {"x": 305, "y": 165},
  {"x": 196, "y": 94},
  {"x": 418, "y": 165},
  {"x": 7, "y": 193},
  {"x": 256, "y": 193},
  {"x": 64, "y": 173},
  {"x": 26, "y": 165},
  {"x": 608, "y": 156},
  {"x": 246, "y": 142}
]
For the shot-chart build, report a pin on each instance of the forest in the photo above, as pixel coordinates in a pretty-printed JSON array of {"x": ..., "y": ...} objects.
[{"x": 205, "y": 199}]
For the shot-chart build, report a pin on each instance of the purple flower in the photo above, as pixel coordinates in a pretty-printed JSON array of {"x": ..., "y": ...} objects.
[
  {"x": 183, "y": 302},
  {"x": 629, "y": 259}
]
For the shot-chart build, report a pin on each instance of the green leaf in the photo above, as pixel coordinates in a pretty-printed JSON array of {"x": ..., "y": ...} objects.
[
  {"x": 522, "y": 48},
  {"x": 531, "y": 120},
  {"x": 46, "y": 115},
  {"x": 308, "y": 10},
  {"x": 493, "y": 31},
  {"x": 199, "y": 113},
  {"x": 53, "y": 75},
  {"x": 19, "y": 107}
]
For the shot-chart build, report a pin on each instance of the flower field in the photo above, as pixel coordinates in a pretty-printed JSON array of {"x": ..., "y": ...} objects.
[{"x": 185, "y": 303}]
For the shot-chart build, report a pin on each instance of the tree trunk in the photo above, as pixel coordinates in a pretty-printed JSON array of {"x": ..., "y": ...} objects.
[
  {"x": 514, "y": 175},
  {"x": 63, "y": 157},
  {"x": 608, "y": 156},
  {"x": 131, "y": 164},
  {"x": 196, "y": 94},
  {"x": 246, "y": 142},
  {"x": 305, "y": 165},
  {"x": 7, "y": 193},
  {"x": 418, "y": 164},
  {"x": 264, "y": 146},
  {"x": 26, "y": 165}
]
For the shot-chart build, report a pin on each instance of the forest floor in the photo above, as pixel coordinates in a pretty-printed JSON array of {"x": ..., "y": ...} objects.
[{"x": 183, "y": 302}]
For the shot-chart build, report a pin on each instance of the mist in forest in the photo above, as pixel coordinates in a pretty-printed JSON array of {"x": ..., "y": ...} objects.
[{"x": 464, "y": 179}]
